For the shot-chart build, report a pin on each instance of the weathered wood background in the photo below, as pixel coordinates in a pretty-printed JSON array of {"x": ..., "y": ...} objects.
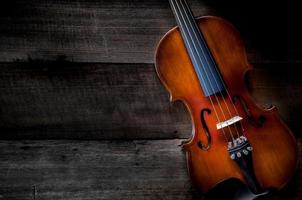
[{"x": 83, "y": 114}]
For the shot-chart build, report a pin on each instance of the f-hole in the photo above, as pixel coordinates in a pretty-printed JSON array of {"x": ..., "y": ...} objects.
[
  {"x": 207, "y": 146},
  {"x": 256, "y": 122}
]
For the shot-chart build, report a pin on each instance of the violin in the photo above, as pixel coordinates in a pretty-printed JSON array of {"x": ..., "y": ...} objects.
[{"x": 203, "y": 62}]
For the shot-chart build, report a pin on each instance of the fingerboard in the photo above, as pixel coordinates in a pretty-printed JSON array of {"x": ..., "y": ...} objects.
[{"x": 200, "y": 55}]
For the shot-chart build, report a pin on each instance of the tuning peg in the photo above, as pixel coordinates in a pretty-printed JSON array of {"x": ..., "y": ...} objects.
[{"x": 249, "y": 148}]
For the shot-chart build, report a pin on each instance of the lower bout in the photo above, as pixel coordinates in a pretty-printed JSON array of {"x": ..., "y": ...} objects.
[
  {"x": 207, "y": 173},
  {"x": 272, "y": 171}
]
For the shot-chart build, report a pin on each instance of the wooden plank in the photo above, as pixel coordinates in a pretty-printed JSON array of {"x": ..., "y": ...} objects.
[
  {"x": 134, "y": 169},
  {"x": 127, "y": 31},
  {"x": 84, "y": 31},
  {"x": 115, "y": 101},
  {"x": 87, "y": 101},
  {"x": 93, "y": 170}
]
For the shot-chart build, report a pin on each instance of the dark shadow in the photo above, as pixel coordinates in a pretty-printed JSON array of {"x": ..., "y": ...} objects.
[{"x": 271, "y": 28}]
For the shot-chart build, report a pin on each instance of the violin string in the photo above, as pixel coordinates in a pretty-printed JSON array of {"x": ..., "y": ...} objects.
[
  {"x": 220, "y": 76},
  {"x": 230, "y": 132},
  {"x": 206, "y": 58},
  {"x": 217, "y": 116},
  {"x": 224, "y": 85}
]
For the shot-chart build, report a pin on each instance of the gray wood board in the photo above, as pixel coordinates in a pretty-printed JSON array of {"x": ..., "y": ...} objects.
[
  {"x": 134, "y": 169},
  {"x": 127, "y": 31},
  {"x": 63, "y": 100},
  {"x": 93, "y": 170}
]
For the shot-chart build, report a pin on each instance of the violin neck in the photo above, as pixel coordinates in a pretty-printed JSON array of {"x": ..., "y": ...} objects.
[{"x": 201, "y": 58}]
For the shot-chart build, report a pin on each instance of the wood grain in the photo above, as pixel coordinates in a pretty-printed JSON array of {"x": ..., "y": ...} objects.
[
  {"x": 84, "y": 31},
  {"x": 93, "y": 170},
  {"x": 134, "y": 169},
  {"x": 127, "y": 31},
  {"x": 87, "y": 101},
  {"x": 63, "y": 100}
]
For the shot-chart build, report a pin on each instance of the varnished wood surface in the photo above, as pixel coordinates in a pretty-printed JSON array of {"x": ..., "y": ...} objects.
[
  {"x": 134, "y": 169},
  {"x": 41, "y": 100},
  {"x": 208, "y": 167}
]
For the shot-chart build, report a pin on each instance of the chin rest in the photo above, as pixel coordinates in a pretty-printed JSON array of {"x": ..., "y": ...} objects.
[
  {"x": 234, "y": 189},
  {"x": 247, "y": 194}
]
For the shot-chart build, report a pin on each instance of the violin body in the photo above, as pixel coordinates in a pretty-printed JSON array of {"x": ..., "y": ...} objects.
[{"x": 274, "y": 156}]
